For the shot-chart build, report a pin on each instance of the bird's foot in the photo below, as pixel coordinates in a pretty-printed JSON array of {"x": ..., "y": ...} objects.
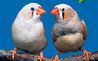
[
  {"x": 41, "y": 56},
  {"x": 85, "y": 53},
  {"x": 56, "y": 58},
  {"x": 13, "y": 52}
]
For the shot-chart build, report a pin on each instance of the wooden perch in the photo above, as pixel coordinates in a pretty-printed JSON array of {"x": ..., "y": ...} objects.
[{"x": 6, "y": 56}]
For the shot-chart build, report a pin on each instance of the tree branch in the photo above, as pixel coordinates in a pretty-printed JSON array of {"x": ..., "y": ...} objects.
[{"x": 6, "y": 56}]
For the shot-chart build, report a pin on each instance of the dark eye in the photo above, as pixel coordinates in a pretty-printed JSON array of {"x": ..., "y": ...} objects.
[
  {"x": 32, "y": 9},
  {"x": 63, "y": 9}
]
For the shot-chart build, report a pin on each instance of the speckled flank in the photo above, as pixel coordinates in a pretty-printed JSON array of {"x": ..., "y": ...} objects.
[{"x": 84, "y": 30}]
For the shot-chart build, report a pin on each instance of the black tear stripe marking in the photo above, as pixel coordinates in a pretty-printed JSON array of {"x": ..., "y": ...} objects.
[
  {"x": 32, "y": 13},
  {"x": 63, "y": 14}
]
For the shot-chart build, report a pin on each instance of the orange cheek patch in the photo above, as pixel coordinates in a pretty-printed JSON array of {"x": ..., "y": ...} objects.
[
  {"x": 65, "y": 16},
  {"x": 27, "y": 14}
]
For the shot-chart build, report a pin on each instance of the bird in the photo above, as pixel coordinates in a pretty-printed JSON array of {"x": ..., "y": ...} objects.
[
  {"x": 69, "y": 32},
  {"x": 28, "y": 33}
]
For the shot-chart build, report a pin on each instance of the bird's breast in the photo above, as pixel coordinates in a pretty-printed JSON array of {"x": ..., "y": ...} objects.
[
  {"x": 30, "y": 37},
  {"x": 62, "y": 29},
  {"x": 23, "y": 31}
]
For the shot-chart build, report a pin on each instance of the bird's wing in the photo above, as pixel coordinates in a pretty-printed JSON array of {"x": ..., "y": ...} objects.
[
  {"x": 84, "y": 30},
  {"x": 54, "y": 36}
]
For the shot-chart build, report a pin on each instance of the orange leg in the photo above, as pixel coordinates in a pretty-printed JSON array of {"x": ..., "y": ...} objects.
[
  {"x": 56, "y": 57},
  {"x": 13, "y": 52},
  {"x": 85, "y": 53},
  {"x": 41, "y": 56}
]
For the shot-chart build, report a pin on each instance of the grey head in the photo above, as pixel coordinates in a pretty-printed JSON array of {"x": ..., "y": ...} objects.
[{"x": 64, "y": 12}]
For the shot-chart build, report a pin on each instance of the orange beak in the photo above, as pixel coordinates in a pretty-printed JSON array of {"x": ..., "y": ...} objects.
[
  {"x": 40, "y": 11},
  {"x": 55, "y": 11}
]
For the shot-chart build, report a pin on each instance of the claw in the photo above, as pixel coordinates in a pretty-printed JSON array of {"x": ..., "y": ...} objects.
[
  {"x": 13, "y": 52},
  {"x": 41, "y": 56},
  {"x": 85, "y": 53},
  {"x": 56, "y": 57}
]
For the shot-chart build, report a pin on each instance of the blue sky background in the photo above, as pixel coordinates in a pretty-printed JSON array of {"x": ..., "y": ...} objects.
[{"x": 87, "y": 11}]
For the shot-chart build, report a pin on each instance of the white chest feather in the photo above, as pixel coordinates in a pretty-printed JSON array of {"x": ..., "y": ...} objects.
[
  {"x": 70, "y": 42},
  {"x": 24, "y": 31},
  {"x": 29, "y": 37}
]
